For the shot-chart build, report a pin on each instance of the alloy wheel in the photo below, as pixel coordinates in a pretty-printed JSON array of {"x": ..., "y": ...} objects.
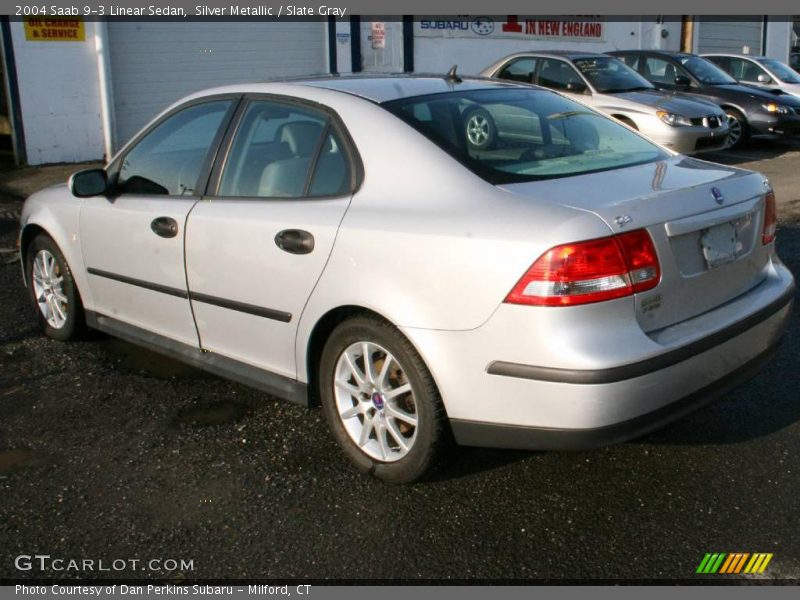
[
  {"x": 375, "y": 401},
  {"x": 734, "y": 130},
  {"x": 48, "y": 289},
  {"x": 478, "y": 130}
]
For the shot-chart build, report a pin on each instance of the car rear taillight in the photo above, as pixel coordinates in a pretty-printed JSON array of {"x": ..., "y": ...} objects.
[
  {"x": 770, "y": 219},
  {"x": 590, "y": 271}
]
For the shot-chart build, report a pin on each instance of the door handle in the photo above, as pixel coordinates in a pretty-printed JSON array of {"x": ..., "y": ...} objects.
[
  {"x": 166, "y": 227},
  {"x": 295, "y": 241}
]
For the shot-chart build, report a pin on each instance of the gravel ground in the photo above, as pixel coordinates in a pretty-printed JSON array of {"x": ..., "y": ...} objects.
[{"x": 110, "y": 452}]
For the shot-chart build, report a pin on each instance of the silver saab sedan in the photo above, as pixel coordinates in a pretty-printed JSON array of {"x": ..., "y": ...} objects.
[
  {"x": 684, "y": 124},
  {"x": 340, "y": 241}
]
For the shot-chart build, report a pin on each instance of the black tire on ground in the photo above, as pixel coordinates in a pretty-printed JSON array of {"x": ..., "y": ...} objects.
[
  {"x": 433, "y": 440},
  {"x": 74, "y": 325},
  {"x": 479, "y": 129},
  {"x": 737, "y": 120}
]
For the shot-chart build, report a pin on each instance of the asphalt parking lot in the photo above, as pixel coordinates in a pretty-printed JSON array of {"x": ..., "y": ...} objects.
[{"x": 109, "y": 452}]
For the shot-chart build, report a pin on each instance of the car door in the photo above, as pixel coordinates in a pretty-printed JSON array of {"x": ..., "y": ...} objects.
[
  {"x": 257, "y": 244},
  {"x": 132, "y": 241}
]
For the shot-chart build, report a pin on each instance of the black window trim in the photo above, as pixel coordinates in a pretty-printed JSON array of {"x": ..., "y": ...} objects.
[
  {"x": 333, "y": 124},
  {"x": 113, "y": 167}
]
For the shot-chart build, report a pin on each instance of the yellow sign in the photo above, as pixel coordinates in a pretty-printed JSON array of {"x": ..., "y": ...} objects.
[{"x": 54, "y": 29}]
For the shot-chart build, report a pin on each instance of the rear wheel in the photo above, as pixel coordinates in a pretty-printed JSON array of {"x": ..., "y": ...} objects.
[
  {"x": 53, "y": 291},
  {"x": 479, "y": 129},
  {"x": 381, "y": 402},
  {"x": 737, "y": 128}
]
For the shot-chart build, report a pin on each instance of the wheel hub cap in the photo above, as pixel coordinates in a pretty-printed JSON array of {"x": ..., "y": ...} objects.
[{"x": 377, "y": 400}]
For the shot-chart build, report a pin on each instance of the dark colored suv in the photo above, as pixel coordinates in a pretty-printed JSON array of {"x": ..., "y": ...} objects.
[{"x": 751, "y": 112}]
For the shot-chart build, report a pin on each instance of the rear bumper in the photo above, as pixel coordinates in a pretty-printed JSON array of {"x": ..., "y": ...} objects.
[
  {"x": 492, "y": 435},
  {"x": 592, "y": 379}
]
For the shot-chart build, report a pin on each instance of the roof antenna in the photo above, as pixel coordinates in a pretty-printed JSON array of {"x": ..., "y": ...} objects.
[{"x": 452, "y": 76}]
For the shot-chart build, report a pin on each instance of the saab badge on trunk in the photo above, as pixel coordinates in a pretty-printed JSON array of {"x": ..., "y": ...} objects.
[{"x": 718, "y": 197}]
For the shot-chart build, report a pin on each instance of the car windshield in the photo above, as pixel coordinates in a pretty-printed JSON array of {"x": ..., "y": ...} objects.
[
  {"x": 518, "y": 135},
  {"x": 705, "y": 71},
  {"x": 782, "y": 71},
  {"x": 610, "y": 75}
]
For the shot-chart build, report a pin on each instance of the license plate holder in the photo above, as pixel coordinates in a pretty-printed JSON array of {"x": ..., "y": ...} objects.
[{"x": 720, "y": 244}]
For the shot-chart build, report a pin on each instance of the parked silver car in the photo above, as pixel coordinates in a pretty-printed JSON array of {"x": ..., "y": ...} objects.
[
  {"x": 341, "y": 241},
  {"x": 759, "y": 71},
  {"x": 686, "y": 125}
]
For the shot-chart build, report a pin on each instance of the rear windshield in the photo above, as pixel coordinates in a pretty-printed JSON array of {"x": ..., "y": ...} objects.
[{"x": 517, "y": 135}]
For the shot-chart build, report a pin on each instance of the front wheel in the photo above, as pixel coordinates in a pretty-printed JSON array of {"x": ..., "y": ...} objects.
[
  {"x": 381, "y": 402},
  {"x": 53, "y": 291},
  {"x": 737, "y": 128}
]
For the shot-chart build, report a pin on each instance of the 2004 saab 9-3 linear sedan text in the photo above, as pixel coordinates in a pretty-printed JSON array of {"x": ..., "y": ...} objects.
[{"x": 344, "y": 241}]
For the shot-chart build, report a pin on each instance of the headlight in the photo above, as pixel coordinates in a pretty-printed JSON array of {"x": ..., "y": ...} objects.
[
  {"x": 674, "y": 119},
  {"x": 777, "y": 109}
]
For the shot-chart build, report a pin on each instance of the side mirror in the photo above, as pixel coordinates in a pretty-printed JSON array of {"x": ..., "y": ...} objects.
[
  {"x": 763, "y": 78},
  {"x": 683, "y": 81},
  {"x": 576, "y": 87},
  {"x": 91, "y": 182}
]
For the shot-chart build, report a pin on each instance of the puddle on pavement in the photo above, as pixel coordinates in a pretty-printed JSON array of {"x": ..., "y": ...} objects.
[
  {"x": 136, "y": 359},
  {"x": 218, "y": 413},
  {"x": 12, "y": 461}
]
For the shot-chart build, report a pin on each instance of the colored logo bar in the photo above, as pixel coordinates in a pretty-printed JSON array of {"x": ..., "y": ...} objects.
[{"x": 733, "y": 563}]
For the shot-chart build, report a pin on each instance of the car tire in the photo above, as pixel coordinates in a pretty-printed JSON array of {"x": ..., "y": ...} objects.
[
  {"x": 738, "y": 129},
  {"x": 480, "y": 130},
  {"x": 55, "y": 297},
  {"x": 361, "y": 413}
]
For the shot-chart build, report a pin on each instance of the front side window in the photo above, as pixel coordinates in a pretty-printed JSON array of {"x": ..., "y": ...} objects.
[
  {"x": 661, "y": 71},
  {"x": 521, "y": 70},
  {"x": 705, "y": 71},
  {"x": 517, "y": 135},
  {"x": 744, "y": 70},
  {"x": 632, "y": 60},
  {"x": 782, "y": 71},
  {"x": 168, "y": 160},
  {"x": 610, "y": 75},
  {"x": 557, "y": 74},
  {"x": 285, "y": 151}
]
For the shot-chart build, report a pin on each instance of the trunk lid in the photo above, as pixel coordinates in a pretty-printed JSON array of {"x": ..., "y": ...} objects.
[{"x": 705, "y": 220}]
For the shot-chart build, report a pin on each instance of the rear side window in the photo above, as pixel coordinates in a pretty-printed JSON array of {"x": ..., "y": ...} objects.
[
  {"x": 285, "y": 151},
  {"x": 168, "y": 160}
]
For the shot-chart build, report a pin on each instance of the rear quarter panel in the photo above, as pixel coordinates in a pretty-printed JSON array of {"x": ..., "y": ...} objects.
[{"x": 426, "y": 243}]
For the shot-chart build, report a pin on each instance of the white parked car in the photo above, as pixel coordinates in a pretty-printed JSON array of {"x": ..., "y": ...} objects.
[
  {"x": 342, "y": 241},
  {"x": 759, "y": 71},
  {"x": 681, "y": 123}
]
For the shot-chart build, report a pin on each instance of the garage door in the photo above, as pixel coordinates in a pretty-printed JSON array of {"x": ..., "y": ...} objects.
[
  {"x": 730, "y": 34},
  {"x": 154, "y": 64}
]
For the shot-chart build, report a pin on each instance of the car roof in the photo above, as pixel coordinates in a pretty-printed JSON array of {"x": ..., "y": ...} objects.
[
  {"x": 657, "y": 52},
  {"x": 568, "y": 54},
  {"x": 734, "y": 54},
  {"x": 386, "y": 87}
]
